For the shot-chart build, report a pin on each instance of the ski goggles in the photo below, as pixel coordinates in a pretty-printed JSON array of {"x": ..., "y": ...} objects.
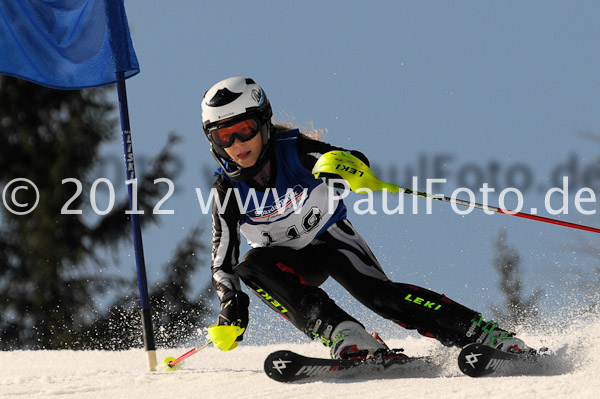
[{"x": 224, "y": 135}]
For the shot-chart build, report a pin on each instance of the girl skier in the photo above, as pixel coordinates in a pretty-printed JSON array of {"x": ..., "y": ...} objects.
[{"x": 293, "y": 252}]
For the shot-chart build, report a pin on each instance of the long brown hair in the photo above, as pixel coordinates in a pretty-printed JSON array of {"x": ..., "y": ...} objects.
[{"x": 307, "y": 129}]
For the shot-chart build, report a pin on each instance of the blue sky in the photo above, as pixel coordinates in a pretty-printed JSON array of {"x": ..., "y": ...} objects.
[{"x": 508, "y": 85}]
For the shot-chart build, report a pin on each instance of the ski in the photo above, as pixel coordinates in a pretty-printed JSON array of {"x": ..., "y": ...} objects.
[
  {"x": 288, "y": 366},
  {"x": 477, "y": 360}
]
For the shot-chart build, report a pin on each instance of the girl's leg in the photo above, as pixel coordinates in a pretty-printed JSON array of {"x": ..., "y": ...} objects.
[
  {"x": 287, "y": 281},
  {"x": 347, "y": 258}
]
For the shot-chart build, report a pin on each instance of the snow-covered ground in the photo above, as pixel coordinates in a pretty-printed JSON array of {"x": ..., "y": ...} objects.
[{"x": 239, "y": 373}]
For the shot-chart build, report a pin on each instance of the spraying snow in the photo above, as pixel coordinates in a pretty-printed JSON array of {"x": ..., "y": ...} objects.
[{"x": 239, "y": 373}]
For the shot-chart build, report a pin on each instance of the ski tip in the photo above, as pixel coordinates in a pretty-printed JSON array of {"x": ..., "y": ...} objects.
[
  {"x": 478, "y": 360},
  {"x": 277, "y": 365}
]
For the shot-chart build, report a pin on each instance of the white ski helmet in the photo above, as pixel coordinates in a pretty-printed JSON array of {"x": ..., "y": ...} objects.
[{"x": 231, "y": 101}]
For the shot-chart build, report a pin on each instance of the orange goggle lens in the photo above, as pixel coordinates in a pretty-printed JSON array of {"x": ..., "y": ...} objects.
[{"x": 244, "y": 131}]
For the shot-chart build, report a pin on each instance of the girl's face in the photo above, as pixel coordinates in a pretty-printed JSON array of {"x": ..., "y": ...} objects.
[{"x": 245, "y": 153}]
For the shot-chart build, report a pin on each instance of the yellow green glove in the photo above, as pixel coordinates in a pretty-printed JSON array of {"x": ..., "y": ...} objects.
[
  {"x": 224, "y": 337},
  {"x": 353, "y": 170}
]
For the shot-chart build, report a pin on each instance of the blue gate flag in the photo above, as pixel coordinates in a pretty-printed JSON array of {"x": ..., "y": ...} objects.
[{"x": 66, "y": 44}]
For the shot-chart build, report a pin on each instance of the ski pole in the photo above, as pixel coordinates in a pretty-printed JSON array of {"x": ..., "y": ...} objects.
[
  {"x": 223, "y": 337},
  {"x": 500, "y": 210},
  {"x": 359, "y": 176},
  {"x": 172, "y": 362}
]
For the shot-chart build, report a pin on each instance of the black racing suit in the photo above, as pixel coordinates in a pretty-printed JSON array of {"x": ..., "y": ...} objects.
[{"x": 288, "y": 279}]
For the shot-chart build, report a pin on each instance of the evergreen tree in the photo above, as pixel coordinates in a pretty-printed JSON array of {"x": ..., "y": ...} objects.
[
  {"x": 517, "y": 309},
  {"x": 48, "y": 259},
  {"x": 179, "y": 307}
]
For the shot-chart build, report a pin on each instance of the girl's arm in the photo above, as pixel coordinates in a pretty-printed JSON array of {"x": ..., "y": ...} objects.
[
  {"x": 310, "y": 150},
  {"x": 225, "y": 240}
]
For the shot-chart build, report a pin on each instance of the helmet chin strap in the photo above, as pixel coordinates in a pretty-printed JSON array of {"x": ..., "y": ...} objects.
[{"x": 264, "y": 175}]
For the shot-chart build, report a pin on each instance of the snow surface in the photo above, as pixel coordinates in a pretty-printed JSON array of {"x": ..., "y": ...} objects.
[{"x": 239, "y": 373}]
